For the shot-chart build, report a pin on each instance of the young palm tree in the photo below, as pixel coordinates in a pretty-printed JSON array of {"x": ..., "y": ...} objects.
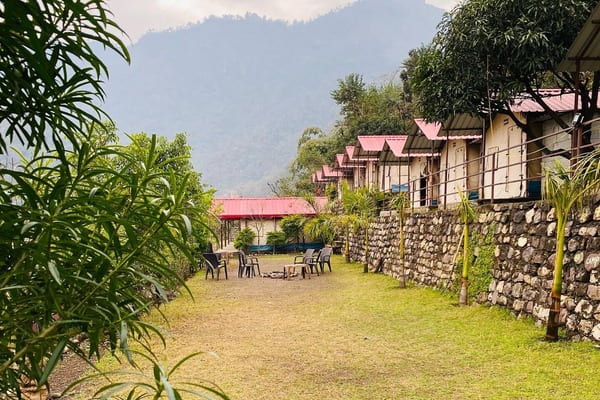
[
  {"x": 362, "y": 204},
  {"x": 321, "y": 228},
  {"x": 400, "y": 203},
  {"x": 567, "y": 190},
  {"x": 467, "y": 215}
]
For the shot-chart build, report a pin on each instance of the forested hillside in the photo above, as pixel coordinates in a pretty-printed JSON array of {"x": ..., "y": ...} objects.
[{"x": 245, "y": 88}]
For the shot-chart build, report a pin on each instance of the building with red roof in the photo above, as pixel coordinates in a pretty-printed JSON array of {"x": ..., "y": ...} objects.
[{"x": 261, "y": 214}]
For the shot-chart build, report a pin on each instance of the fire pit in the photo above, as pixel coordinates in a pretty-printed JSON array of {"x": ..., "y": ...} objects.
[{"x": 278, "y": 275}]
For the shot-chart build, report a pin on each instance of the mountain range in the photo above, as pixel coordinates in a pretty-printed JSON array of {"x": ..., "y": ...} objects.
[{"x": 244, "y": 88}]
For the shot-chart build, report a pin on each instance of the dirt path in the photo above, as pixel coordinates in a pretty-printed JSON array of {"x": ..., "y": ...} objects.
[{"x": 258, "y": 323}]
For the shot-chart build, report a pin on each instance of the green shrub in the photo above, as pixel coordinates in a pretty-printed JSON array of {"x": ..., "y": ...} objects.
[
  {"x": 331, "y": 192},
  {"x": 320, "y": 228},
  {"x": 244, "y": 239},
  {"x": 276, "y": 238},
  {"x": 482, "y": 247}
]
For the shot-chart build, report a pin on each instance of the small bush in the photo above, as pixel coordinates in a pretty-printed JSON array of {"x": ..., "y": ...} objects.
[
  {"x": 481, "y": 247},
  {"x": 244, "y": 239},
  {"x": 276, "y": 238}
]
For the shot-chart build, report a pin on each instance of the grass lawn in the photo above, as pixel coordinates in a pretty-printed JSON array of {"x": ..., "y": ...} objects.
[{"x": 349, "y": 335}]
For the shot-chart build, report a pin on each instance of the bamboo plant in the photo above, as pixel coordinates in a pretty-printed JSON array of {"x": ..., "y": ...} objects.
[
  {"x": 399, "y": 203},
  {"x": 467, "y": 215}
]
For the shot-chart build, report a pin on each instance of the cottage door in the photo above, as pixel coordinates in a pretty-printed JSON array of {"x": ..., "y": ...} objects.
[{"x": 460, "y": 170}]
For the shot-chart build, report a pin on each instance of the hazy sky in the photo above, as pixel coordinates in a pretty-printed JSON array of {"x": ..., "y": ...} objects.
[{"x": 139, "y": 16}]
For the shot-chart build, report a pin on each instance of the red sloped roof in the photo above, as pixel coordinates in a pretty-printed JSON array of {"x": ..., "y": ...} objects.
[
  {"x": 264, "y": 207},
  {"x": 556, "y": 100},
  {"x": 396, "y": 144},
  {"x": 329, "y": 172},
  {"x": 340, "y": 161},
  {"x": 373, "y": 144},
  {"x": 429, "y": 129},
  {"x": 350, "y": 152}
]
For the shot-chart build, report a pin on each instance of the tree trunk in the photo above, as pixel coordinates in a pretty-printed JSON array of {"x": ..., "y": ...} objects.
[
  {"x": 347, "y": 246},
  {"x": 553, "y": 319},
  {"x": 463, "y": 298},
  {"x": 366, "y": 266},
  {"x": 402, "y": 280},
  {"x": 554, "y": 316}
]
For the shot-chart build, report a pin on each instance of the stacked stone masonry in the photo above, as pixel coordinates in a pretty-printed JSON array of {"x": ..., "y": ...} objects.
[{"x": 523, "y": 261}]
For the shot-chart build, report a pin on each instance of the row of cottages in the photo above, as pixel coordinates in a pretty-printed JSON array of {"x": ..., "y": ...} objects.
[
  {"x": 488, "y": 159},
  {"x": 261, "y": 214}
]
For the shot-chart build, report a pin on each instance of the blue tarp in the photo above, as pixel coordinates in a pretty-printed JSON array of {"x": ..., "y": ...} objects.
[
  {"x": 399, "y": 188},
  {"x": 263, "y": 248},
  {"x": 534, "y": 189}
]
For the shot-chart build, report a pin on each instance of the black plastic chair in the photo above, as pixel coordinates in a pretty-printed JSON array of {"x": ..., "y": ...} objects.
[
  {"x": 325, "y": 258},
  {"x": 247, "y": 265},
  {"x": 304, "y": 259},
  {"x": 313, "y": 262},
  {"x": 214, "y": 264}
]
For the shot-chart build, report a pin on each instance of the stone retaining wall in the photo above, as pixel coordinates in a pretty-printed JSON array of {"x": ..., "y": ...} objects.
[{"x": 523, "y": 260}]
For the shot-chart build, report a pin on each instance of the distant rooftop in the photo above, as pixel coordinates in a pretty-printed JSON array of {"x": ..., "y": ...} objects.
[{"x": 264, "y": 207}]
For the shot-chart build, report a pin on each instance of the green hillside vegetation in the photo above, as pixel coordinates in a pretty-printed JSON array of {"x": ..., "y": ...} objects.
[{"x": 365, "y": 109}]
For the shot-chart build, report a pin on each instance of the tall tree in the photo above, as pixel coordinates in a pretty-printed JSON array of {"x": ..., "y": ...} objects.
[
  {"x": 349, "y": 94},
  {"x": 487, "y": 52},
  {"x": 371, "y": 109}
]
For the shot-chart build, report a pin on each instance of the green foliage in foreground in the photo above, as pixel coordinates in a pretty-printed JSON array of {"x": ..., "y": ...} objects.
[
  {"x": 88, "y": 229},
  {"x": 85, "y": 243},
  {"x": 158, "y": 385}
]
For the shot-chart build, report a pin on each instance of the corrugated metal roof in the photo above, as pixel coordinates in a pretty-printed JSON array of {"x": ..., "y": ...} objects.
[
  {"x": 462, "y": 126},
  {"x": 426, "y": 137},
  {"x": 556, "y": 100},
  {"x": 393, "y": 152},
  {"x": 585, "y": 49},
  {"x": 319, "y": 178},
  {"x": 350, "y": 152},
  {"x": 423, "y": 139},
  {"x": 264, "y": 207},
  {"x": 371, "y": 144}
]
